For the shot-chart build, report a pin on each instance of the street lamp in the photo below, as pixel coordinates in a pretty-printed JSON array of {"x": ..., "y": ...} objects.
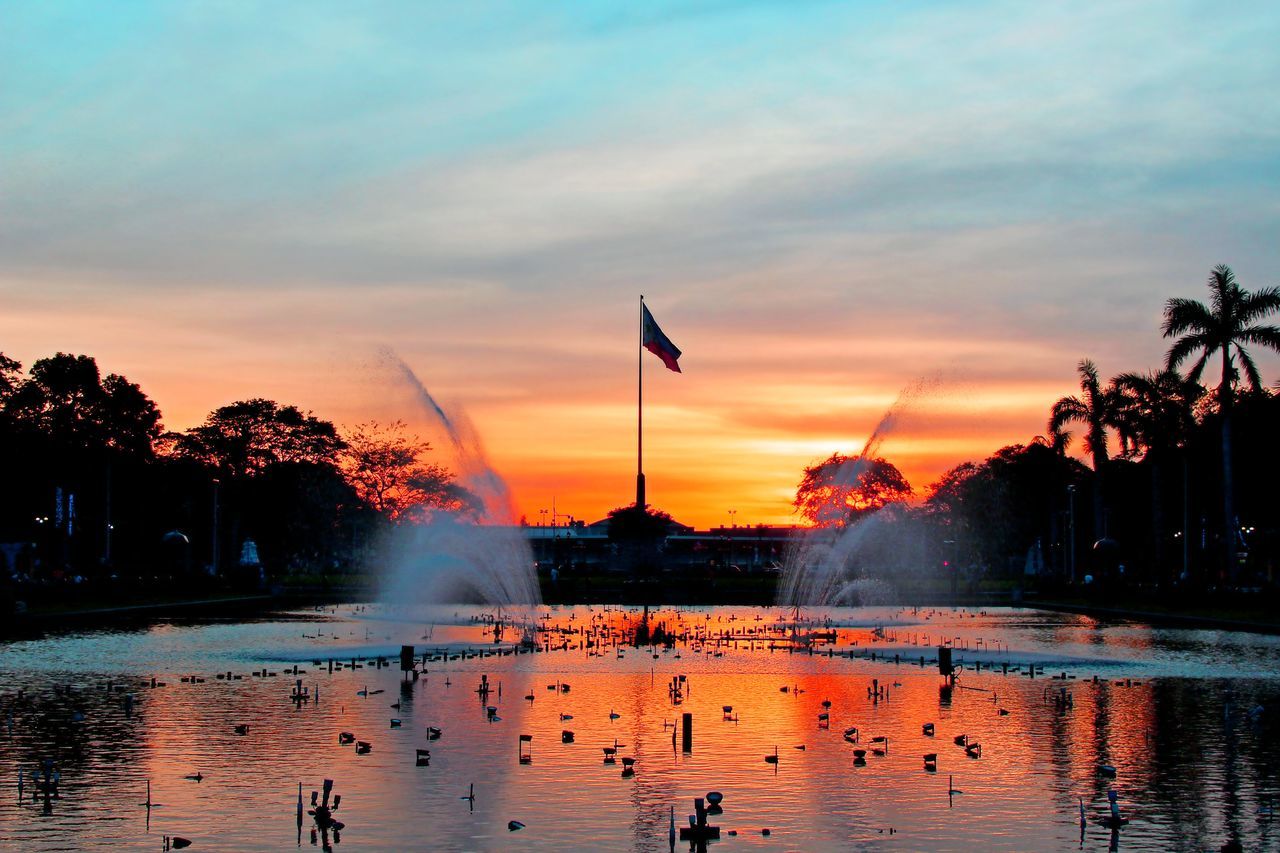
[
  {"x": 1186, "y": 514},
  {"x": 1071, "y": 526},
  {"x": 949, "y": 563},
  {"x": 544, "y": 552},
  {"x": 214, "y": 567},
  {"x": 732, "y": 525}
]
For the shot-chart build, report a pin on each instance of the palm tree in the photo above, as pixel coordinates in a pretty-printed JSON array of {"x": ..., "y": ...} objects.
[
  {"x": 1155, "y": 413},
  {"x": 1095, "y": 409},
  {"x": 1225, "y": 325}
]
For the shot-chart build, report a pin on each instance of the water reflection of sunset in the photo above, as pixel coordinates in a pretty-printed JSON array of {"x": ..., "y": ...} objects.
[{"x": 1037, "y": 759}]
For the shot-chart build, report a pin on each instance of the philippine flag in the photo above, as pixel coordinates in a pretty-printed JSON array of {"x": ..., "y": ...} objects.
[{"x": 656, "y": 342}]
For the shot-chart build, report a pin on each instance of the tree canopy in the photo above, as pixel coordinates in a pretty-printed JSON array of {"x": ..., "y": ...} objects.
[
  {"x": 10, "y": 376},
  {"x": 1224, "y": 326},
  {"x": 633, "y": 523},
  {"x": 1094, "y": 409},
  {"x": 841, "y": 489},
  {"x": 244, "y": 438},
  {"x": 1154, "y": 411},
  {"x": 66, "y": 400},
  {"x": 384, "y": 464},
  {"x": 995, "y": 509},
  {"x": 1231, "y": 320}
]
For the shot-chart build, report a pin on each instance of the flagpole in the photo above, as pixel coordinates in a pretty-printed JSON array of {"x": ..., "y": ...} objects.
[{"x": 640, "y": 501}]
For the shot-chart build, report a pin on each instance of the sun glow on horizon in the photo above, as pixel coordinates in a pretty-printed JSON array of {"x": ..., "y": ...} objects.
[{"x": 218, "y": 218}]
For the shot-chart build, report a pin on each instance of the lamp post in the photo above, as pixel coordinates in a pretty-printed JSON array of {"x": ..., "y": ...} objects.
[
  {"x": 555, "y": 537},
  {"x": 1071, "y": 528},
  {"x": 1186, "y": 515},
  {"x": 38, "y": 546},
  {"x": 106, "y": 544},
  {"x": 949, "y": 563},
  {"x": 542, "y": 525},
  {"x": 214, "y": 563},
  {"x": 732, "y": 526}
]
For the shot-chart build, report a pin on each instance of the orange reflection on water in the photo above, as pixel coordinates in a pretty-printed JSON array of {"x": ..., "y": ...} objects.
[{"x": 1037, "y": 760}]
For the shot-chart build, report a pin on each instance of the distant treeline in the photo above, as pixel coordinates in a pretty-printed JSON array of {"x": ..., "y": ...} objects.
[
  {"x": 1189, "y": 493},
  {"x": 95, "y": 488}
]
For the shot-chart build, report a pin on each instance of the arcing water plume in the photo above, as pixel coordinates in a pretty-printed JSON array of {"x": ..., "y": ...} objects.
[
  {"x": 450, "y": 558},
  {"x": 471, "y": 466},
  {"x": 816, "y": 571}
]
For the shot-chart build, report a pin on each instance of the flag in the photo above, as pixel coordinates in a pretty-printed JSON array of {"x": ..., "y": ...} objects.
[{"x": 656, "y": 342}]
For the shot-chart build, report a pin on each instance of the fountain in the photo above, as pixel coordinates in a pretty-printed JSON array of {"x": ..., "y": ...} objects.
[
  {"x": 479, "y": 557},
  {"x": 819, "y": 564}
]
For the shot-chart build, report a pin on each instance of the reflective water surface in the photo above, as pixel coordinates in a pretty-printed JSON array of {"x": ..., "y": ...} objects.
[{"x": 1187, "y": 719}]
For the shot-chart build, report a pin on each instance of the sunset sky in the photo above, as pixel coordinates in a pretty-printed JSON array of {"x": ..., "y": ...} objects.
[{"x": 823, "y": 203}]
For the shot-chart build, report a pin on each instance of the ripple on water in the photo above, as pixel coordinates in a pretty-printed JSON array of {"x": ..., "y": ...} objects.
[{"x": 1192, "y": 768}]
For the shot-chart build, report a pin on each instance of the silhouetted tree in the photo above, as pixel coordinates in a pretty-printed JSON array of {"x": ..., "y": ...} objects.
[
  {"x": 1255, "y": 423},
  {"x": 272, "y": 462},
  {"x": 949, "y": 496},
  {"x": 383, "y": 463},
  {"x": 841, "y": 489},
  {"x": 1154, "y": 411},
  {"x": 61, "y": 399},
  {"x": 10, "y": 376},
  {"x": 637, "y": 535},
  {"x": 130, "y": 420},
  {"x": 995, "y": 510},
  {"x": 632, "y": 523},
  {"x": 1226, "y": 325},
  {"x": 67, "y": 431},
  {"x": 303, "y": 516},
  {"x": 1155, "y": 414},
  {"x": 66, "y": 399},
  {"x": 242, "y": 439},
  {"x": 1095, "y": 410}
]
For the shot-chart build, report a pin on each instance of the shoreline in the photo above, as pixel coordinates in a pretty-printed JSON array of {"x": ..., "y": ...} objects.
[
  {"x": 1168, "y": 619},
  {"x": 262, "y": 602},
  {"x": 256, "y": 602},
  {"x": 43, "y": 615}
]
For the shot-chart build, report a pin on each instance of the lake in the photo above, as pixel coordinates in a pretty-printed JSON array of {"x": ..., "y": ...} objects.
[{"x": 1186, "y": 720}]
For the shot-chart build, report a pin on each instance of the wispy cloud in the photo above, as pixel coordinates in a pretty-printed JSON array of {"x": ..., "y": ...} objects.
[{"x": 822, "y": 201}]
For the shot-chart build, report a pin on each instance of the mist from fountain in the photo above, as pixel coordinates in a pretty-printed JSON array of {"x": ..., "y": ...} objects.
[
  {"x": 481, "y": 558},
  {"x": 821, "y": 565}
]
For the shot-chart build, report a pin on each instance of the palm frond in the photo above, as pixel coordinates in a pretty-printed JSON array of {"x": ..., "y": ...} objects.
[
  {"x": 1088, "y": 372},
  {"x": 1095, "y": 441},
  {"x": 1130, "y": 381},
  {"x": 1186, "y": 315},
  {"x": 1197, "y": 369},
  {"x": 1185, "y": 346},
  {"x": 1222, "y": 281},
  {"x": 1258, "y": 304},
  {"x": 1060, "y": 442},
  {"x": 1066, "y": 410},
  {"x": 1267, "y": 336},
  {"x": 1250, "y": 369}
]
